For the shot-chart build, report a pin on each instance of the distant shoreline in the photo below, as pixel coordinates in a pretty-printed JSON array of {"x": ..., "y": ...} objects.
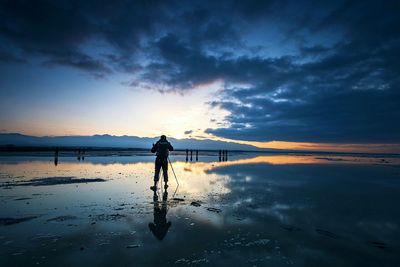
[{"x": 31, "y": 149}]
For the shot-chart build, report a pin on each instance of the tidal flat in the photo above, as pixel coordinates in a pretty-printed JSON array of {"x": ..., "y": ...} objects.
[{"x": 250, "y": 210}]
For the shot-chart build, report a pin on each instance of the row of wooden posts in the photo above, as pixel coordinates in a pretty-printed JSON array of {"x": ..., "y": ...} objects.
[
  {"x": 222, "y": 155},
  {"x": 191, "y": 155},
  {"x": 80, "y": 155}
]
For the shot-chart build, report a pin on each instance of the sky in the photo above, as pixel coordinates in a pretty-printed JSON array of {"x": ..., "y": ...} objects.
[{"x": 319, "y": 75}]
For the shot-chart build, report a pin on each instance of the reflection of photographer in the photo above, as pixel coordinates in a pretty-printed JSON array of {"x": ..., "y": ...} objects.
[{"x": 160, "y": 226}]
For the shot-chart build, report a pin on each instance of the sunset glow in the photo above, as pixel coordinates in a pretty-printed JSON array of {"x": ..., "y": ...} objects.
[{"x": 242, "y": 78}]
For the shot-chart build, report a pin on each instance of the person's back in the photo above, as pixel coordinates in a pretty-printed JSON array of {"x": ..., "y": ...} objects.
[{"x": 161, "y": 148}]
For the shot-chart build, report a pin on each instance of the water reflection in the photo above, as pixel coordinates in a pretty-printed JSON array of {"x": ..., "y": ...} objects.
[
  {"x": 252, "y": 210},
  {"x": 159, "y": 227}
]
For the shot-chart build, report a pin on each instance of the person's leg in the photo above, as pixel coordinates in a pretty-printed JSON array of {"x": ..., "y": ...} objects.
[
  {"x": 165, "y": 172},
  {"x": 156, "y": 173}
]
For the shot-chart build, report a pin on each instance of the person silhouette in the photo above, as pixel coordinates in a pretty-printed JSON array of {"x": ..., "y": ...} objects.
[
  {"x": 159, "y": 227},
  {"x": 56, "y": 157},
  {"x": 161, "y": 148}
]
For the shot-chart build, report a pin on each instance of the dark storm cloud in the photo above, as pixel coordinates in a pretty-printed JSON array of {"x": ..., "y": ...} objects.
[
  {"x": 82, "y": 62},
  {"x": 60, "y": 30},
  {"x": 292, "y": 70},
  {"x": 6, "y": 56}
]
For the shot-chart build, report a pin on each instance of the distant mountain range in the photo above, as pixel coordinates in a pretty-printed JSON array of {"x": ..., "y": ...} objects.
[{"x": 112, "y": 141}]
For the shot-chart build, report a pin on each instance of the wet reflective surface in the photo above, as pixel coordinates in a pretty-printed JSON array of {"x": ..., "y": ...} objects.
[{"x": 251, "y": 210}]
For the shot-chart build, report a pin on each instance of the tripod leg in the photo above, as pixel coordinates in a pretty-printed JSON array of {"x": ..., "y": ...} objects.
[{"x": 172, "y": 168}]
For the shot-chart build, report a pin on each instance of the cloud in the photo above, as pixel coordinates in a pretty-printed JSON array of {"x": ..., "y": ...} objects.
[
  {"x": 292, "y": 71},
  {"x": 9, "y": 57},
  {"x": 83, "y": 62},
  {"x": 188, "y": 132},
  {"x": 63, "y": 32}
]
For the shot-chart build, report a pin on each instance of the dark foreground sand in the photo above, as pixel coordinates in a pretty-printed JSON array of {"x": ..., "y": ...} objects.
[{"x": 270, "y": 210}]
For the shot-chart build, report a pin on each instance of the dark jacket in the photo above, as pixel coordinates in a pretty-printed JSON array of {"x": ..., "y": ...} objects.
[{"x": 162, "y": 148}]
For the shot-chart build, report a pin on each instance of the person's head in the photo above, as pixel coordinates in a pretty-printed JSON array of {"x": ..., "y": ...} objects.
[{"x": 163, "y": 137}]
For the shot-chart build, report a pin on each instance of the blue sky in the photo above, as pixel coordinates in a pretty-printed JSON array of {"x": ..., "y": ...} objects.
[{"x": 321, "y": 73}]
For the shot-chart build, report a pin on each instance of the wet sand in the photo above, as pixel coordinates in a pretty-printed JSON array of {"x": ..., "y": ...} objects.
[{"x": 252, "y": 210}]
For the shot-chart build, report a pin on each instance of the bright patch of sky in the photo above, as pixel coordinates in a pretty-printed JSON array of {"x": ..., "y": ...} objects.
[{"x": 99, "y": 106}]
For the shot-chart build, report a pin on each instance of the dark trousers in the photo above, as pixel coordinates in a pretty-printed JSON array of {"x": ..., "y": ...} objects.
[{"x": 161, "y": 162}]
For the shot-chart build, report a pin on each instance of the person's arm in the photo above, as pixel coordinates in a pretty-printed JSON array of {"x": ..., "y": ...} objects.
[
  {"x": 154, "y": 148},
  {"x": 170, "y": 147}
]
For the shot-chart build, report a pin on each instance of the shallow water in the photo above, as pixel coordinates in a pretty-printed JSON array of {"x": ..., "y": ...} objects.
[{"x": 252, "y": 210}]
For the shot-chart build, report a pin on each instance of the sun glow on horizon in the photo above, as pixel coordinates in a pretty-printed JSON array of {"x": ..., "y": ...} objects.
[{"x": 119, "y": 110}]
